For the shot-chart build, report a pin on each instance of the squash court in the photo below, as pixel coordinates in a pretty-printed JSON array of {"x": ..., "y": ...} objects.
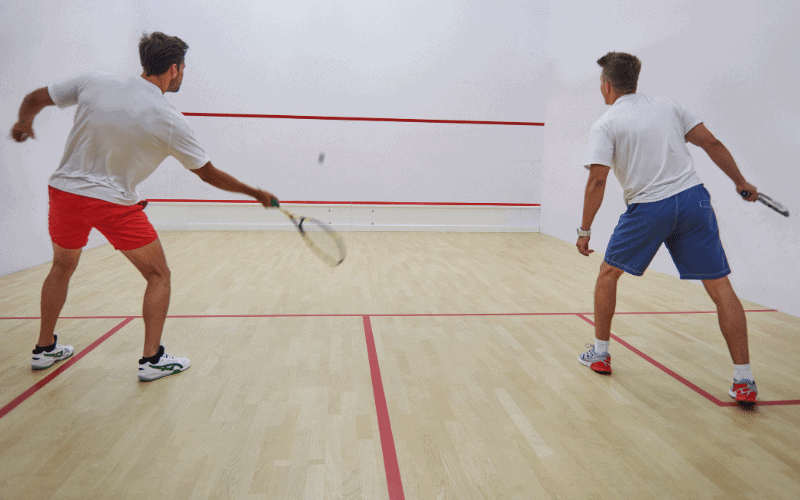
[{"x": 428, "y": 365}]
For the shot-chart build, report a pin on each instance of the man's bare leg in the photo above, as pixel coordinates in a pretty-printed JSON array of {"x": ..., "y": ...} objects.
[
  {"x": 152, "y": 263},
  {"x": 732, "y": 320},
  {"x": 54, "y": 291},
  {"x": 605, "y": 300}
]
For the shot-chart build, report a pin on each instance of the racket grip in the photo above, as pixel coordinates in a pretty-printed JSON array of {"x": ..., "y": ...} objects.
[
  {"x": 745, "y": 194},
  {"x": 275, "y": 203}
]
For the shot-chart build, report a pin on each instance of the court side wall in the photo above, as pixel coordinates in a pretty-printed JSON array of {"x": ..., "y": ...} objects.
[
  {"x": 737, "y": 68},
  {"x": 41, "y": 42},
  {"x": 444, "y": 60}
]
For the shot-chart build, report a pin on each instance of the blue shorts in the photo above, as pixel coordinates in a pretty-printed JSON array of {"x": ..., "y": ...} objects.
[{"x": 685, "y": 223}]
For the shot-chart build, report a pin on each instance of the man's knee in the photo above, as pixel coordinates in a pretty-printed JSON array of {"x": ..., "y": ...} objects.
[
  {"x": 607, "y": 271},
  {"x": 159, "y": 273},
  {"x": 719, "y": 288},
  {"x": 64, "y": 268},
  {"x": 150, "y": 261},
  {"x": 65, "y": 261}
]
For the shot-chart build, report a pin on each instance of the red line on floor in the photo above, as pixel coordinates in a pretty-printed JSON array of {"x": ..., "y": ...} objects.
[
  {"x": 364, "y": 119},
  {"x": 693, "y": 312},
  {"x": 685, "y": 382},
  {"x": 58, "y": 371},
  {"x": 788, "y": 402},
  {"x": 661, "y": 367},
  {"x": 393, "y": 480},
  {"x": 378, "y": 315}
]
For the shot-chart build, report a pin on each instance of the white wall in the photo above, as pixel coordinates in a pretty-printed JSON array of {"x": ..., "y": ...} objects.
[
  {"x": 736, "y": 65},
  {"x": 41, "y": 42},
  {"x": 450, "y": 59}
]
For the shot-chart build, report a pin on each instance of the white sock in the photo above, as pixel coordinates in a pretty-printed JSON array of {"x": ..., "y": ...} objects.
[
  {"x": 601, "y": 346},
  {"x": 741, "y": 372}
]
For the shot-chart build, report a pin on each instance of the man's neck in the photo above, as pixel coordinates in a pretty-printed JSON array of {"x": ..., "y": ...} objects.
[
  {"x": 613, "y": 96},
  {"x": 158, "y": 81}
]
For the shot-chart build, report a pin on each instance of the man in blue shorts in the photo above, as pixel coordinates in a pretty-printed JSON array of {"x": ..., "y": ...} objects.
[
  {"x": 124, "y": 128},
  {"x": 643, "y": 139}
]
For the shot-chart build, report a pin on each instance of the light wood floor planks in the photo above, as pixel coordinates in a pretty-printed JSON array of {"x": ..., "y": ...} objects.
[{"x": 476, "y": 337}]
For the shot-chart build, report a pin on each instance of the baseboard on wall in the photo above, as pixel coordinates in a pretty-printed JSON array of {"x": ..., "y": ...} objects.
[{"x": 215, "y": 216}]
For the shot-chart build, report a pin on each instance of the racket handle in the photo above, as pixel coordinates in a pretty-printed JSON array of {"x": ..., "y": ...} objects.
[
  {"x": 745, "y": 194},
  {"x": 275, "y": 203}
]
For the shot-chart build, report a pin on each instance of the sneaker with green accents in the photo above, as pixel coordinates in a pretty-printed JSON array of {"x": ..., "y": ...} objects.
[
  {"x": 41, "y": 358},
  {"x": 166, "y": 365}
]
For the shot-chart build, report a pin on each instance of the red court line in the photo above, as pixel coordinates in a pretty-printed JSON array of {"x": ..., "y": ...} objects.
[
  {"x": 692, "y": 312},
  {"x": 788, "y": 402},
  {"x": 661, "y": 367},
  {"x": 400, "y": 203},
  {"x": 239, "y": 316},
  {"x": 72, "y": 317},
  {"x": 393, "y": 481},
  {"x": 365, "y": 119},
  {"x": 682, "y": 380},
  {"x": 58, "y": 371},
  {"x": 378, "y": 315}
]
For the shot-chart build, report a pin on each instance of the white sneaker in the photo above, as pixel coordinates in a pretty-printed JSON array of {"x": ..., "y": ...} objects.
[
  {"x": 166, "y": 365},
  {"x": 41, "y": 359}
]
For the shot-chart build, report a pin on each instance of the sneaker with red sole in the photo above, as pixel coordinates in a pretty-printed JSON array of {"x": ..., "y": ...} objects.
[
  {"x": 744, "y": 392},
  {"x": 600, "y": 363}
]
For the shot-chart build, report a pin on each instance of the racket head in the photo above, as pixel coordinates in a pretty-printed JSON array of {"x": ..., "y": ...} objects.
[
  {"x": 319, "y": 237},
  {"x": 322, "y": 240},
  {"x": 766, "y": 200}
]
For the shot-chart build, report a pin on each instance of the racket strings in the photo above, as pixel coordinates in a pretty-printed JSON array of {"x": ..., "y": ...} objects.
[
  {"x": 323, "y": 241},
  {"x": 766, "y": 200}
]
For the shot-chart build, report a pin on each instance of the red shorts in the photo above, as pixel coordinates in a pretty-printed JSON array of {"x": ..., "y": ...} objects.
[{"x": 72, "y": 217}]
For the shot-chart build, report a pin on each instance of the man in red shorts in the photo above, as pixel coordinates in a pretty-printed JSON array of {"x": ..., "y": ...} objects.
[{"x": 124, "y": 128}]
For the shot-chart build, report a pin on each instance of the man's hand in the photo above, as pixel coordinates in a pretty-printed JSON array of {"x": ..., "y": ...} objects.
[
  {"x": 265, "y": 198},
  {"x": 583, "y": 245},
  {"x": 22, "y": 130},
  {"x": 746, "y": 186}
]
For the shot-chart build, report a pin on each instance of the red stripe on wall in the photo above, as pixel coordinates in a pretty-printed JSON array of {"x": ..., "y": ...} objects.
[
  {"x": 366, "y": 119},
  {"x": 403, "y": 203}
]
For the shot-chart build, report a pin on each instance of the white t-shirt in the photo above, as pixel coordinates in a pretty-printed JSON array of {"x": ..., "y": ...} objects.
[
  {"x": 124, "y": 128},
  {"x": 643, "y": 139}
]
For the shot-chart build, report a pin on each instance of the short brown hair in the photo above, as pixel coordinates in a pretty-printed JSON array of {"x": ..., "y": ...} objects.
[
  {"x": 158, "y": 52},
  {"x": 621, "y": 70}
]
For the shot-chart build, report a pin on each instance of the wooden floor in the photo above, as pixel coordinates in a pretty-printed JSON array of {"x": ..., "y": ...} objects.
[{"x": 427, "y": 366}]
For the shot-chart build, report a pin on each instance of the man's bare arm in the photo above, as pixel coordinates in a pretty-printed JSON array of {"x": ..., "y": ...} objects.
[
  {"x": 30, "y": 107},
  {"x": 701, "y": 137},
  {"x": 592, "y": 200},
  {"x": 222, "y": 180}
]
